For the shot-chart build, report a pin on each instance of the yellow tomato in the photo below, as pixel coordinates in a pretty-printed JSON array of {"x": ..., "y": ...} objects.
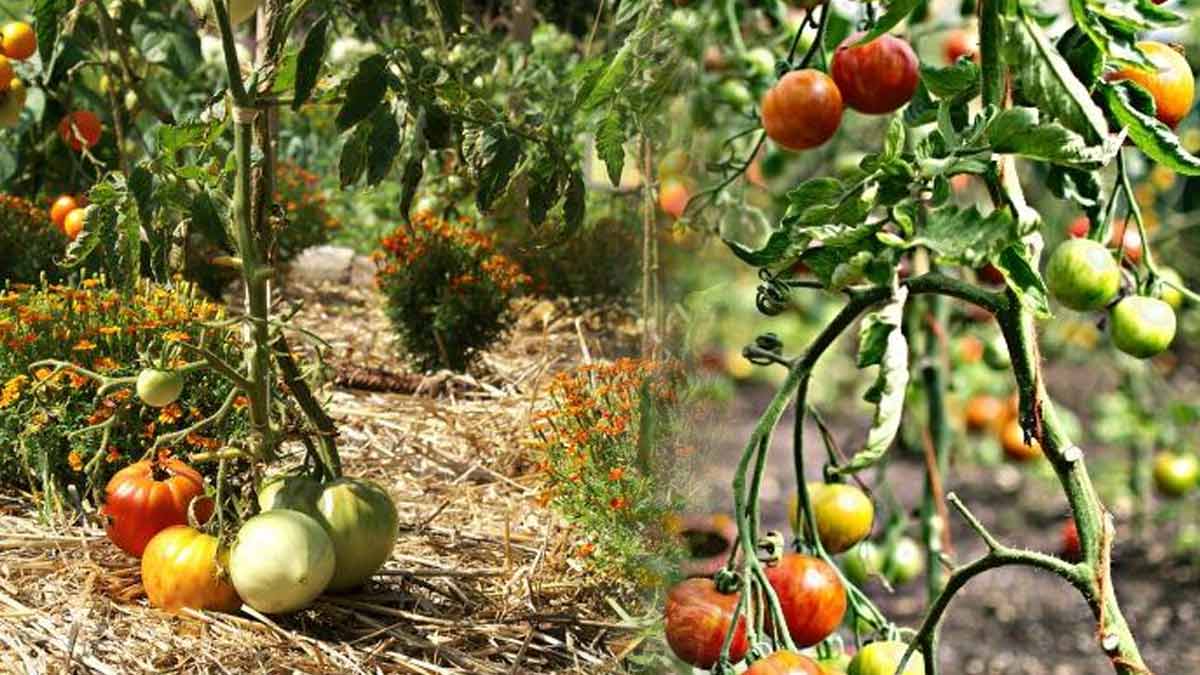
[{"x": 183, "y": 567}]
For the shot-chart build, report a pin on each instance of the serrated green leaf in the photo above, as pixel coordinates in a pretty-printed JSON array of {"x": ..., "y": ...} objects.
[
  {"x": 882, "y": 344},
  {"x": 1044, "y": 77},
  {"x": 1150, "y": 135},
  {"x": 959, "y": 81},
  {"x": 897, "y": 11},
  {"x": 545, "y": 189},
  {"x": 1023, "y": 279},
  {"x": 921, "y": 109},
  {"x": 1022, "y": 131},
  {"x": 384, "y": 144},
  {"x": 364, "y": 91},
  {"x": 499, "y": 153},
  {"x": 610, "y": 144},
  {"x": 352, "y": 163},
  {"x": 965, "y": 236},
  {"x": 309, "y": 61},
  {"x": 893, "y": 141},
  {"x": 574, "y": 204},
  {"x": 46, "y": 18}
]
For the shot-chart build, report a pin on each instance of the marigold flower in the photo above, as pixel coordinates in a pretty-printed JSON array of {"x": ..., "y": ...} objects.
[
  {"x": 84, "y": 346},
  {"x": 75, "y": 461},
  {"x": 616, "y": 473}
]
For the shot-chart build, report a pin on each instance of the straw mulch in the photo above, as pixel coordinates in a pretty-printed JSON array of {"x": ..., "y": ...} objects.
[{"x": 483, "y": 579}]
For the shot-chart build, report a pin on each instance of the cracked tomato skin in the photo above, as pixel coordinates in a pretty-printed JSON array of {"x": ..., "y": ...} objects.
[
  {"x": 184, "y": 567},
  {"x": 882, "y": 658},
  {"x": 785, "y": 663},
  {"x": 697, "y": 618},
  {"x": 877, "y": 77},
  {"x": 802, "y": 110},
  {"x": 149, "y": 496},
  {"x": 1142, "y": 326},
  {"x": 811, "y": 596},
  {"x": 1172, "y": 84}
]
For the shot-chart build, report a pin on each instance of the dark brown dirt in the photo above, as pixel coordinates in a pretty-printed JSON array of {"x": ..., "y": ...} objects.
[{"x": 1010, "y": 621}]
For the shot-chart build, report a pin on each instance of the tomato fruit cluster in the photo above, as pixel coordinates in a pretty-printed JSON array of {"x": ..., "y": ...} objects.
[{"x": 804, "y": 109}]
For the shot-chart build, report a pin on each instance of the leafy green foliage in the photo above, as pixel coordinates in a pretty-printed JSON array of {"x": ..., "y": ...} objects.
[{"x": 29, "y": 243}]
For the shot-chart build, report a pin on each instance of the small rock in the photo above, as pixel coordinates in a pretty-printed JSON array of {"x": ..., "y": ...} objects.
[{"x": 323, "y": 263}]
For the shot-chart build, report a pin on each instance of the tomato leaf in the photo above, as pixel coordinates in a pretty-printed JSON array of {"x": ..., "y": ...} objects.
[
  {"x": 1023, "y": 279},
  {"x": 1045, "y": 78},
  {"x": 893, "y": 142},
  {"x": 384, "y": 144},
  {"x": 308, "y": 63},
  {"x": 364, "y": 91},
  {"x": 450, "y": 12},
  {"x": 574, "y": 204},
  {"x": 882, "y": 343},
  {"x": 46, "y": 15},
  {"x": 1114, "y": 26},
  {"x": 498, "y": 153},
  {"x": 1151, "y": 136},
  {"x": 1021, "y": 131},
  {"x": 959, "y": 81},
  {"x": 610, "y": 144},
  {"x": 897, "y": 11},
  {"x": 964, "y": 236},
  {"x": 353, "y": 160},
  {"x": 545, "y": 189}
]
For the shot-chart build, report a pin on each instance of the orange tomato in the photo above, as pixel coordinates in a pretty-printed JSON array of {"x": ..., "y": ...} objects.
[
  {"x": 184, "y": 567},
  {"x": 1170, "y": 83},
  {"x": 61, "y": 207},
  {"x": 6, "y": 74},
  {"x": 985, "y": 412},
  {"x": 1012, "y": 438},
  {"x": 673, "y": 197},
  {"x": 18, "y": 40},
  {"x": 73, "y": 223}
]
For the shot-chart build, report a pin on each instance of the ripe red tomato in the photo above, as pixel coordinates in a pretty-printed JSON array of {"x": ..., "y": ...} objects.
[
  {"x": 1172, "y": 84},
  {"x": 1142, "y": 326},
  {"x": 960, "y": 43},
  {"x": 1078, "y": 229},
  {"x": 985, "y": 412},
  {"x": 1071, "y": 551},
  {"x": 1175, "y": 474},
  {"x": 80, "y": 129},
  {"x": 989, "y": 273},
  {"x": 785, "y": 663},
  {"x": 811, "y": 595},
  {"x": 184, "y": 567},
  {"x": 60, "y": 208},
  {"x": 697, "y": 618},
  {"x": 802, "y": 110},
  {"x": 1127, "y": 238},
  {"x": 673, "y": 197},
  {"x": 147, "y": 497},
  {"x": 877, "y": 77},
  {"x": 1012, "y": 438}
]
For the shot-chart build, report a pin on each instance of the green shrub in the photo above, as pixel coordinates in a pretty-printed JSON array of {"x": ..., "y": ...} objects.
[
  {"x": 298, "y": 193},
  {"x": 29, "y": 242},
  {"x": 102, "y": 330},
  {"x": 596, "y": 266},
  {"x": 448, "y": 290}
]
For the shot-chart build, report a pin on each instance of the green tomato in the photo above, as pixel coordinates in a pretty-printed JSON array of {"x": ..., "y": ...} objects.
[
  {"x": 735, "y": 93},
  {"x": 862, "y": 562},
  {"x": 1167, "y": 292},
  {"x": 1142, "y": 326},
  {"x": 905, "y": 562},
  {"x": 883, "y": 658},
  {"x": 159, "y": 388},
  {"x": 761, "y": 62},
  {"x": 358, "y": 515},
  {"x": 995, "y": 354},
  {"x": 281, "y": 561},
  {"x": 1175, "y": 474},
  {"x": 673, "y": 164},
  {"x": 1082, "y": 275}
]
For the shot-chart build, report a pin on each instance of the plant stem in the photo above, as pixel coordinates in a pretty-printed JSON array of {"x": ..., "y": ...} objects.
[{"x": 933, "y": 523}]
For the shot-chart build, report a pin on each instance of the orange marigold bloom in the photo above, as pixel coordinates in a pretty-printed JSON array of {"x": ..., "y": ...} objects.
[
  {"x": 75, "y": 461},
  {"x": 616, "y": 473},
  {"x": 104, "y": 364},
  {"x": 84, "y": 346},
  {"x": 176, "y": 336},
  {"x": 170, "y": 414},
  {"x": 585, "y": 550},
  {"x": 618, "y": 503}
]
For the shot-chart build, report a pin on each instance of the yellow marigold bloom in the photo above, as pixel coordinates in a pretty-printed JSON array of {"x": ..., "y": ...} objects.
[
  {"x": 176, "y": 336},
  {"x": 109, "y": 330},
  {"x": 90, "y": 283},
  {"x": 75, "y": 461},
  {"x": 43, "y": 374},
  {"x": 170, "y": 414},
  {"x": 84, "y": 346},
  {"x": 12, "y": 390},
  {"x": 104, "y": 364}
]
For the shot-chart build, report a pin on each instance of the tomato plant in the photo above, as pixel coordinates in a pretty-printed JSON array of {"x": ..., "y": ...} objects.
[
  {"x": 281, "y": 560},
  {"x": 158, "y": 388},
  {"x": 843, "y": 512},
  {"x": 183, "y": 567},
  {"x": 811, "y": 596},
  {"x": 144, "y": 498},
  {"x": 697, "y": 618},
  {"x": 875, "y": 77}
]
